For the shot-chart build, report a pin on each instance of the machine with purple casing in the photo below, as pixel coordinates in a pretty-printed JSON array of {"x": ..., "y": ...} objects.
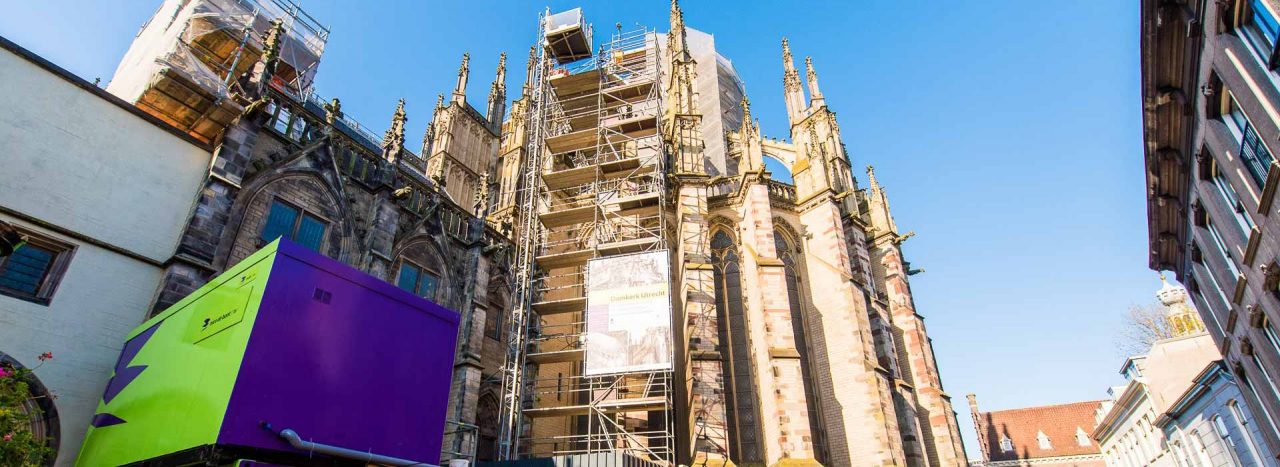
[{"x": 287, "y": 358}]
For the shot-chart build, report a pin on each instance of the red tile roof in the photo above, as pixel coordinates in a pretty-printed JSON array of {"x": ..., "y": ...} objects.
[{"x": 1022, "y": 426}]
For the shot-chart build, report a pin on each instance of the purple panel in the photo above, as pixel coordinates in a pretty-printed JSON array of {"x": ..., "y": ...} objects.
[{"x": 345, "y": 359}]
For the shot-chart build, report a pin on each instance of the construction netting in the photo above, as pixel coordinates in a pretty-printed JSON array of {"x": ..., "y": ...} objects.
[{"x": 212, "y": 43}]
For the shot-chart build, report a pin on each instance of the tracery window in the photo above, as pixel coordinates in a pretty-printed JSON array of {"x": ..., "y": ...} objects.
[{"x": 743, "y": 422}]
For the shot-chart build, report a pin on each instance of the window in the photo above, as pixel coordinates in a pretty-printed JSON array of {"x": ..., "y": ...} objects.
[
  {"x": 1259, "y": 28},
  {"x": 1232, "y": 198},
  {"x": 1082, "y": 438},
  {"x": 418, "y": 281},
  {"x": 1043, "y": 439},
  {"x": 1220, "y": 428},
  {"x": 294, "y": 224},
  {"x": 1221, "y": 245},
  {"x": 1006, "y": 444},
  {"x": 1271, "y": 383},
  {"x": 493, "y": 316},
  {"x": 1253, "y": 152},
  {"x": 1248, "y": 383},
  {"x": 1208, "y": 308},
  {"x": 33, "y": 271},
  {"x": 1242, "y": 425}
]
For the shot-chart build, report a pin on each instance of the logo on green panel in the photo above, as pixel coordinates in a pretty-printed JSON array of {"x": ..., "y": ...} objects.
[{"x": 218, "y": 315}]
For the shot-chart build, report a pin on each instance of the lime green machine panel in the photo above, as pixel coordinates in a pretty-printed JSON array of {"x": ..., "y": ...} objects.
[{"x": 195, "y": 348}]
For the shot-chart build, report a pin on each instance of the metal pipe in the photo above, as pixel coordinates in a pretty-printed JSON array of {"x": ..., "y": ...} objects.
[{"x": 297, "y": 442}]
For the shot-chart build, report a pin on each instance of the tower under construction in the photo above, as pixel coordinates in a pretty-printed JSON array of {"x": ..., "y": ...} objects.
[{"x": 674, "y": 303}]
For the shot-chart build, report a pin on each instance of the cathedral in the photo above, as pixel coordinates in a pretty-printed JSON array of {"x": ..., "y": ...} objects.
[{"x": 632, "y": 280}]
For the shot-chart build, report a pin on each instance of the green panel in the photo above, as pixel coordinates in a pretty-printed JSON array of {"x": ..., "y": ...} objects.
[{"x": 179, "y": 400}]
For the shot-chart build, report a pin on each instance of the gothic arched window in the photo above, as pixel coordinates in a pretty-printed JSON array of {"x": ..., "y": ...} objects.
[
  {"x": 496, "y": 310},
  {"x": 420, "y": 270},
  {"x": 743, "y": 422},
  {"x": 487, "y": 426},
  {"x": 799, "y": 329}
]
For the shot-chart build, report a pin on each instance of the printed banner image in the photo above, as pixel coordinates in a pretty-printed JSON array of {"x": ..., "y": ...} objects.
[{"x": 628, "y": 314}]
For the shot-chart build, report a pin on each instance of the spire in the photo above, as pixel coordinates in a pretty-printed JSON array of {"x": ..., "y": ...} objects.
[
  {"x": 878, "y": 213},
  {"x": 752, "y": 155},
  {"x": 393, "y": 139},
  {"x": 460, "y": 90},
  {"x": 746, "y": 116},
  {"x": 428, "y": 138},
  {"x": 815, "y": 96},
  {"x": 498, "y": 93},
  {"x": 528, "y": 71},
  {"x": 794, "y": 96},
  {"x": 676, "y": 37}
]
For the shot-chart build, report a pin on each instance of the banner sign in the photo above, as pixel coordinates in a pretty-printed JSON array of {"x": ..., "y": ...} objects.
[{"x": 628, "y": 314}]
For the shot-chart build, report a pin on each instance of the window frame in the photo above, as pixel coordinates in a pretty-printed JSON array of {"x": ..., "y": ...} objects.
[
  {"x": 297, "y": 223},
  {"x": 417, "y": 284},
  {"x": 1220, "y": 244},
  {"x": 1241, "y": 133},
  {"x": 53, "y": 274},
  {"x": 1234, "y": 202},
  {"x": 1253, "y": 34}
]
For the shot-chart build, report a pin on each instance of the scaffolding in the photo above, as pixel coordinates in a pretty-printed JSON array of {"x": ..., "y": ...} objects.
[
  {"x": 190, "y": 59},
  {"x": 594, "y": 187}
]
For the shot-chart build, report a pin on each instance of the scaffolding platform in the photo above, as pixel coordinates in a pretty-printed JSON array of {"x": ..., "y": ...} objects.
[
  {"x": 638, "y": 404},
  {"x": 557, "y": 356},
  {"x": 555, "y": 307},
  {"x": 570, "y": 216},
  {"x": 560, "y": 260}
]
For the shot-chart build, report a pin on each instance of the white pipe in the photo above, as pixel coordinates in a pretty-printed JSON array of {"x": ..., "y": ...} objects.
[{"x": 297, "y": 442}]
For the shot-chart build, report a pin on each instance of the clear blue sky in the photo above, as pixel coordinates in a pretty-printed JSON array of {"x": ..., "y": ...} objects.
[{"x": 1008, "y": 135}]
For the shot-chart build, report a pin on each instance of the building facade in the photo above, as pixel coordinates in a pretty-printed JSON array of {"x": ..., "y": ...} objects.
[
  {"x": 1048, "y": 435},
  {"x": 94, "y": 252},
  {"x": 794, "y": 338},
  {"x": 1209, "y": 90},
  {"x": 1176, "y": 407}
]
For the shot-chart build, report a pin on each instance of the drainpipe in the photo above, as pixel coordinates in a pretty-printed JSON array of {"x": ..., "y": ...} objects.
[{"x": 362, "y": 456}]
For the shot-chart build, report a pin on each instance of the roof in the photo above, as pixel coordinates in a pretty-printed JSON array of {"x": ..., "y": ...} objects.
[{"x": 1059, "y": 423}]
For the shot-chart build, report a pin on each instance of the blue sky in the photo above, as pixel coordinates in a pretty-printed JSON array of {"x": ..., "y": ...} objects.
[{"x": 1008, "y": 136}]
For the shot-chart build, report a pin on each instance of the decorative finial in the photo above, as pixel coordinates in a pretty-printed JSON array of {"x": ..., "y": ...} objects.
[
  {"x": 786, "y": 52},
  {"x": 393, "y": 140},
  {"x": 502, "y": 66},
  {"x": 333, "y": 112},
  {"x": 460, "y": 89},
  {"x": 528, "y": 70}
]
